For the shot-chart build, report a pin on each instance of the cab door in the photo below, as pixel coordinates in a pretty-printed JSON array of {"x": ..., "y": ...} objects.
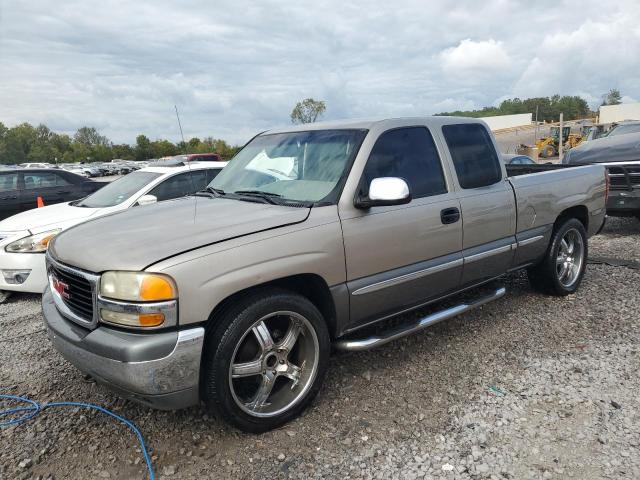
[
  {"x": 487, "y": 203},
  {"x": 401, "y": 256},
  {"x": 48, "y": 184}
]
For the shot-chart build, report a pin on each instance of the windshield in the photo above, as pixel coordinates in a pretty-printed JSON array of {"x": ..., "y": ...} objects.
[
  {"x": 622, "y": 129},
  {"x": 297, "y": 166},
  {"x": 118, "y": 191}
]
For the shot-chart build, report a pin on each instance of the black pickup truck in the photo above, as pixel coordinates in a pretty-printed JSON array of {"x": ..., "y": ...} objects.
[
  {"x": 20, "y": 188},
  {"x": 620, "y": 154}
]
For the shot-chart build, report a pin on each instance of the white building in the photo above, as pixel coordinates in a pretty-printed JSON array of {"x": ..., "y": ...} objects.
[
  {"x": 500, "y": 122},
  {"x": 617, "y": 113}
]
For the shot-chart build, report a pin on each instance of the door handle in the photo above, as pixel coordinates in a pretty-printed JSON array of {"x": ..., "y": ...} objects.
[
  {"x": 8, "y": 198},
  {"x": 449, "y": 215},
  {"x": 63, "y": 191}
]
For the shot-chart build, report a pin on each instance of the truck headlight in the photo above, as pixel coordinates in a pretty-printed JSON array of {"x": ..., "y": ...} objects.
[
  {"x": 138, "y": 299},
  {"x": 137, "y": 286},
  {"x": 37, "y": 243}
]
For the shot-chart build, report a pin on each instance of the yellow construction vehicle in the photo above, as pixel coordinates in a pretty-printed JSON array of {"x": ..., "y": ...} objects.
[{"x": 548, "y": 146}]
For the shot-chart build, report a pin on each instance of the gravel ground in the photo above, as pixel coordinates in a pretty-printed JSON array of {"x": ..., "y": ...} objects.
[{"x": 527, "y": 387}]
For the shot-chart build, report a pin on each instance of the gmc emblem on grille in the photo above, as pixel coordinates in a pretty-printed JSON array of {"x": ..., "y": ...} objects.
[{"x": 61, "y": 288}]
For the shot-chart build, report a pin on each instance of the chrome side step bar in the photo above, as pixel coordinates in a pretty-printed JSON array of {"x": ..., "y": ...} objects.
[{"x": 357, "y": 345}]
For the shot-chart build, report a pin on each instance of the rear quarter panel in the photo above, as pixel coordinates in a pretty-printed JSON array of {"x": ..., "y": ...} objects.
[{"x": 542, "y": 197}]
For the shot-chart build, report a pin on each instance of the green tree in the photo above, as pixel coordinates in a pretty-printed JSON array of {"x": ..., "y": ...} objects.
[
  {"x": 143, "y": 149},
  {"x": 25, "y": 143},
  {"x": 17, "y": 143},
  {"x": 163, "y": 148},
  {"x": 90, "y": 136},
  {"x": 308, "y": 111},
  {"x": 612, "y": 98},
  {"x": 123, "y": 151},
  {"x": 193, "y": 145},
  {"x": 549, "y": 108}
]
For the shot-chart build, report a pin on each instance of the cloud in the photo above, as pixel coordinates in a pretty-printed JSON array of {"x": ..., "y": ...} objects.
[
  {"x": 592, "y": 58},
  {"x": 475, "y": 57},
  {"x": 452, "y": 104},
  {"x": 236, "y": 67}
]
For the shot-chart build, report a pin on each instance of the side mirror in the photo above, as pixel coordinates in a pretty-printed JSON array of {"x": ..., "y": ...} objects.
[
  {"x": 385, "y": 191},
  {"x": 147, "y": 200}
]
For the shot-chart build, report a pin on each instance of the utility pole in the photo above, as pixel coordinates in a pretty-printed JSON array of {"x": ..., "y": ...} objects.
[
  {"x": 560, "y": 145},
  {"x": 535, "y": 131}
]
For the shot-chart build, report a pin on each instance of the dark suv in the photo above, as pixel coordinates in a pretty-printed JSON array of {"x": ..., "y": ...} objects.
[{"x": 20, "y": 188}]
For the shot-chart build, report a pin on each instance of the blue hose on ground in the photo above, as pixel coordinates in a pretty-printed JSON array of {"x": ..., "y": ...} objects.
[{"x": 33, "y": 408}]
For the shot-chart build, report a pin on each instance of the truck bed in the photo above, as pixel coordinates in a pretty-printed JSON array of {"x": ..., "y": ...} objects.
[
  {"x": 543, "y": 191},
  {"x": 516, "y": 170},
  {"x": 624, "y": 183}
]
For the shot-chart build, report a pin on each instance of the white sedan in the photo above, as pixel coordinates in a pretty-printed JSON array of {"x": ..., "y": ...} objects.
[{"x": 25, "y": 236}]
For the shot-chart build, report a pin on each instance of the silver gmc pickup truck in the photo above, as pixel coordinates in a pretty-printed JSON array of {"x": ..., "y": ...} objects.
[{"x": 313, "y": 237}]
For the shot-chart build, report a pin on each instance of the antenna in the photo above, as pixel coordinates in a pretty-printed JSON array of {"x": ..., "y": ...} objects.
[
  {"x": 180, "y": 125},
  {"x": 195, "y": 207}
]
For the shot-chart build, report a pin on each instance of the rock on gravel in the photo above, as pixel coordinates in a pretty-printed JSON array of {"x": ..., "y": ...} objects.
[{"x": 526, "y": 387}]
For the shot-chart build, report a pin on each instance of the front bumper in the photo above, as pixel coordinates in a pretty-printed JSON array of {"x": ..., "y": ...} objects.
[
  {"x": 160, "y": 369},
  {"x": 33, "y": 262},
  {"x": 623, "y": 203}
]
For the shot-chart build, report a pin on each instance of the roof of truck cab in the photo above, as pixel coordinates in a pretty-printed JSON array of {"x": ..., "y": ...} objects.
[{"x": 369, "y": 123}]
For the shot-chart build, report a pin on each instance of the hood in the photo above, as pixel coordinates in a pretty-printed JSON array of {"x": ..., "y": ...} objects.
[
  {"x": 40, "y": 219},
  {"x": 619, "y": 148},
  {"x": 142, "y": 236}
]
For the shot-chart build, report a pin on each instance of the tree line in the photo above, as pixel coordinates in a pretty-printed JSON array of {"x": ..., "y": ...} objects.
[
  {"x": 549, "y": 108},
  {"x": 26, "y": 143}
]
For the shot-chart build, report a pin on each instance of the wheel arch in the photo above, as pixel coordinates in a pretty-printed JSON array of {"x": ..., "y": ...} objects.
[
  {"x": 578, "y": 212},
  {"x": 309, "y": 285}
]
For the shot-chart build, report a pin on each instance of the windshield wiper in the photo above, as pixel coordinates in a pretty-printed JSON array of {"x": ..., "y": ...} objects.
[
  {"x": 210, "y": 192},
  {"x": 266, "y": 196}
]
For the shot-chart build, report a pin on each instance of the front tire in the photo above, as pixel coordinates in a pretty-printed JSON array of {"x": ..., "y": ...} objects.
[
  {"x": 562, "y": 269},
  {"x": 265, "y": 360},
  {"x": 548, "y": 151},
  {"x": 4, "y": 296}
]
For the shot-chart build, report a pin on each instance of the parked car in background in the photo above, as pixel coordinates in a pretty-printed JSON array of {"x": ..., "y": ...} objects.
[
  {"x": 622, "y": 128},
  {"x": 198, "y": 157},
  {"x": 20, "y": 188},
  {"x": 620, "y": 155},
  {"x": 24, "y": 237},
  {"x": 75, "y": 168},
  {"x": 517, "y": 159},
  {"x": 311, "y": 235},
  {"x": 36, "y": 165}
]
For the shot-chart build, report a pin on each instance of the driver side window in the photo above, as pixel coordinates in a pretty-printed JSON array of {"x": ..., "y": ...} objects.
[{"x": 408, "y": 153}]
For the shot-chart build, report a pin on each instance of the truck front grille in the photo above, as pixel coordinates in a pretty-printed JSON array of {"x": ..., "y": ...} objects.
[
  {"x": 77, "y": 294},
  {"x": 74, "y": 292}
]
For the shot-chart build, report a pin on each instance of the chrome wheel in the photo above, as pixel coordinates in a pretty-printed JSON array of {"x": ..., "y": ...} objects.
[
  {"x": 274, "y": 364},
  {"x": 570, "y": 258}
]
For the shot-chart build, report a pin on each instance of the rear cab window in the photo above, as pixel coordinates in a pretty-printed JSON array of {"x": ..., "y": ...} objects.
[
  {"x": 408, "y": 153},
  {"x": 474, "y": 157}
]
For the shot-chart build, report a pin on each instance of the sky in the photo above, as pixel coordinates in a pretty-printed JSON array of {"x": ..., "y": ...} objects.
[{"x": 236, "y": 68}]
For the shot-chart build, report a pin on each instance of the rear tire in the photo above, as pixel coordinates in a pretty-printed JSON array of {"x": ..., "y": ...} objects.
[
  {"x": 562, "y": 269},
  {"x": 265, "y": 360}
]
